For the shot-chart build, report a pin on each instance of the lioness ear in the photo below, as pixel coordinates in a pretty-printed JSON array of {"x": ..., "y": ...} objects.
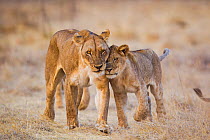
[
  {"x": 123, "y": 50},
  {"x": 105, "y": 34},
  {"x": 81, "y": 36},
  {"x": 85, "y": 33}
]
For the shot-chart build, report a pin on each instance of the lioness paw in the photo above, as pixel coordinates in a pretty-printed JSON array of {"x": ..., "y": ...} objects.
[
  {"x": 48, "y": 115},
  {"x": 72, "y": 126}
]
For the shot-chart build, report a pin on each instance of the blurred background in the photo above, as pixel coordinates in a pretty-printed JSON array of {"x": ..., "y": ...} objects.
[{"x": 26, "y": 27}]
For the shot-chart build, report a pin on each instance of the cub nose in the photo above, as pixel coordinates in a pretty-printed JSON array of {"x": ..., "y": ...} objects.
[
  {"x": 108, "y": 69},
  {"x": 98, "y": 66}
]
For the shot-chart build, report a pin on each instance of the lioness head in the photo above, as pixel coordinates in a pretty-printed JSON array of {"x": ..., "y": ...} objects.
[
  {"x": 117, "y": 60},
  {"x": 94, "y": 49}
]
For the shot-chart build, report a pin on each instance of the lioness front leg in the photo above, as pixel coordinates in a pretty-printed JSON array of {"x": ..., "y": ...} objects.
[
  {"x": 121, "y": 102},
  {"x": 102, "y": 87},
  {"x": 71, "y": 108},
  {"x": 58, "y": 96},
  {"x": 142, "y": 110}
]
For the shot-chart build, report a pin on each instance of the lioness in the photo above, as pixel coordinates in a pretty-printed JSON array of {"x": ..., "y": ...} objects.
[
  {"x": 80, "y": 56},
  {"x": 200, "y": 95},
  {"x": 135, "y": 71}
]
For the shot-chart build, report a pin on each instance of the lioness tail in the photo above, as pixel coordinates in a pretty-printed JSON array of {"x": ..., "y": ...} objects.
[{"x": 165, "y": 53}]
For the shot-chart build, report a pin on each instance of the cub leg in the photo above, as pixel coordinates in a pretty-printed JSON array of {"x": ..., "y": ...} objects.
[
  {"x": 142, "y": 110},
  {"x": 157, "y": 91},
  {"x": 150, "y": 109},
  {"x": 121, "y": 102},
  {"x": 149, "y": 102}
]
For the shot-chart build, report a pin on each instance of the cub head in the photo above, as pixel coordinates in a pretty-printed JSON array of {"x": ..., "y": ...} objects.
[
  {"x": 94, "y": 49},
  {"x": 116, "y": 62}
]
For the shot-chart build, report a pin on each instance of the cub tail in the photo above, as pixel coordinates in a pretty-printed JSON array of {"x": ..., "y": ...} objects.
[{"x": 165, "y": 53}]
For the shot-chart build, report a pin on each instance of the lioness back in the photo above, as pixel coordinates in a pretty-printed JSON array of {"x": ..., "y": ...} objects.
[
  {"x": 61, "y": 36},
  {"x": 56, "y": 42}
]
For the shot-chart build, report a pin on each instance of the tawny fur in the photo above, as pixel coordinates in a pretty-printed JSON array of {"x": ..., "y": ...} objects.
[
  {"x": 58, "y": 95},
  {"x": 85, "y": 99},
  {"x": 200, "y": 95},
  {"x": 80, "y": 56},
  {"x": 134, "y": 72},
  {"x": 83, "y": 103}
]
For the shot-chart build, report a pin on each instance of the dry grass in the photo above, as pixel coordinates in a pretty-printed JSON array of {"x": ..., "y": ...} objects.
[{"x": 181, "y": 26}]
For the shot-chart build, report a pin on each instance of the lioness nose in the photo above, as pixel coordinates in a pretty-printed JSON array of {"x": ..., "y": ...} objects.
[
  {"x": 98, "y": 66},
  {"x": 108, "y": 69}
]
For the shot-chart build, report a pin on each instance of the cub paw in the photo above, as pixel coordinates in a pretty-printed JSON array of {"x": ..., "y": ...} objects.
[
  {"x": 120, "y": 127},
  {"x": 104, "y": 128},
  {"x": 139, "y": 116}
]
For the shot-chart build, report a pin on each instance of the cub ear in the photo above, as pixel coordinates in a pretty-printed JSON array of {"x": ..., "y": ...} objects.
[
  {"x": 113, "y": 46},
  {"x": 81, "y": 36},
  {"x": 78, "y": 38},
  {"x": 105, "y": 34},
  {"x": 123, "y": 50}
]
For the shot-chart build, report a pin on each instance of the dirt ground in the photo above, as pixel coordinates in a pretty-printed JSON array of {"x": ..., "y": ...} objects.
[{"x": 183, "y": 27}]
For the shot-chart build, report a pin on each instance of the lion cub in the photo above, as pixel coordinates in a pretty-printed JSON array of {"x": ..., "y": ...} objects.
[{"x": 135, "y": 72}]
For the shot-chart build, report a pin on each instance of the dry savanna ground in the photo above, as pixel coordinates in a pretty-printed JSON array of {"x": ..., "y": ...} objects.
[{"x": 183, "y": 27}]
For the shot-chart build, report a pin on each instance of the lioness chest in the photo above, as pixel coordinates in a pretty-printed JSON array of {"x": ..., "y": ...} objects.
[{"x": 80, "y": 77}]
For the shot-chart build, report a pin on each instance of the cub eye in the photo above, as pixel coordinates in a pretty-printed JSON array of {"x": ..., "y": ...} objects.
[
  {"x": 88, "y": 52},
  {"x": 115, "y": 59},
  {"x": 103, "y": 52}
]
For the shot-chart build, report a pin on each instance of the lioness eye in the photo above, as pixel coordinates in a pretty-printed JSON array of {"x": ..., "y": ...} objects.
[{"x": 88, "y": 52}]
